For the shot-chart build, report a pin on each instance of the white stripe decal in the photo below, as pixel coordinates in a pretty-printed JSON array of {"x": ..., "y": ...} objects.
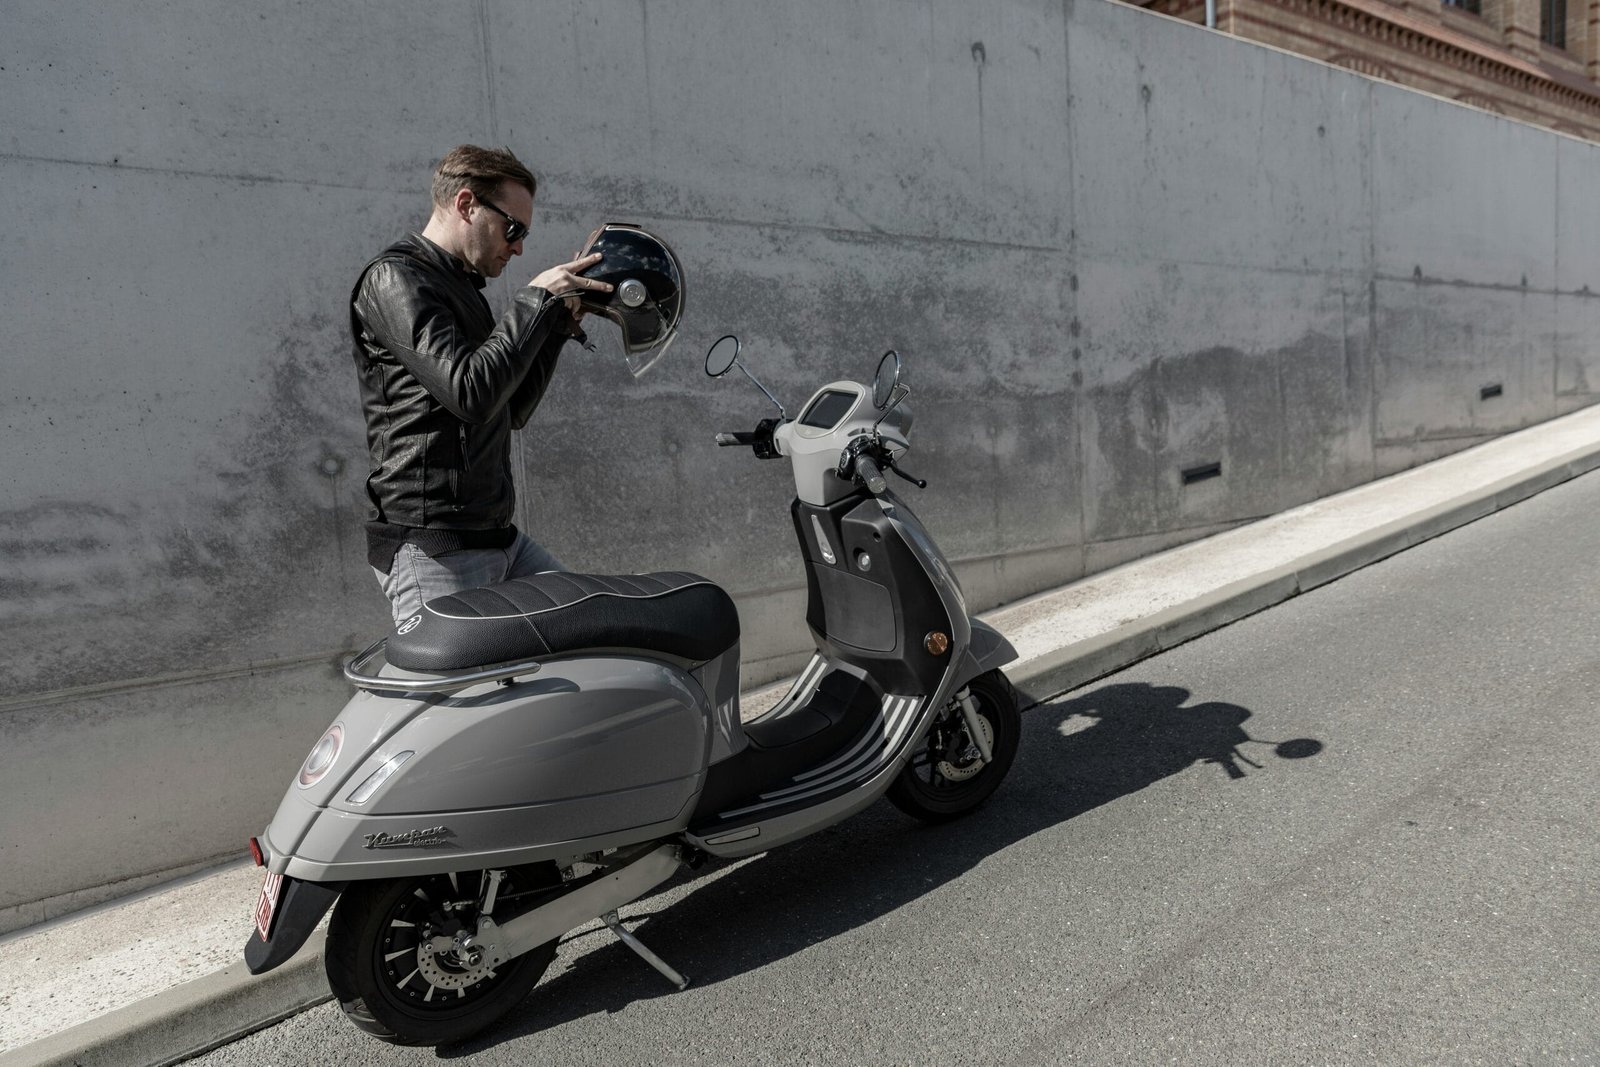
[
  {"x": 874, "y": 733},
  {"x": 878, "y": 732},
  {"x": 802, "y": 685},
  {"x": 907, "y": 716},
  {"x": 861, "y": 770},
  {"x": 873, "y": 751},
  {"x": 809, "y": 679}
]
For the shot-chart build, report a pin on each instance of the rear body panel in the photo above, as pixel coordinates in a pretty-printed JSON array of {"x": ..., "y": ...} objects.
[{"x": 588, "y": 753}]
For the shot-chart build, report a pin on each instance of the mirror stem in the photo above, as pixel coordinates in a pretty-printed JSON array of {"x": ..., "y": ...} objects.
[
  {"x": 752, "y": 377},
  {"x": 896, "y": 396}
]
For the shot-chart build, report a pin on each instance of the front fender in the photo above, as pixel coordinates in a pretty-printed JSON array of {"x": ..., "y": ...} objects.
[{"x": 987, "y": 651}]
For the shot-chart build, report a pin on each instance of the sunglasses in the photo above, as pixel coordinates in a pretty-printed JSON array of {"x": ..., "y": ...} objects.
[{"x": 515, "y": 229}]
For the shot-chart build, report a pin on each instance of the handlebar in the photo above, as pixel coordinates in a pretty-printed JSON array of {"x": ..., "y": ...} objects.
[
  {"x": 871, "y": 475},
  {"x": 759, "y": 439}
]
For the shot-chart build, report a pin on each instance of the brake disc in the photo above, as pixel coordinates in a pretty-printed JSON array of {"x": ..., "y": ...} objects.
[
  {"x": 460, "y": 961},
  {"x": 970, "y": 760}
]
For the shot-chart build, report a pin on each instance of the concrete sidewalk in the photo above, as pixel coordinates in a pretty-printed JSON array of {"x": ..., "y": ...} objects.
[{"x": 158, "y": 977}]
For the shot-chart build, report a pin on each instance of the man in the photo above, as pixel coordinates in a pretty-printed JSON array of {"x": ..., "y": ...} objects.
[{"x": 443, "y": 384}]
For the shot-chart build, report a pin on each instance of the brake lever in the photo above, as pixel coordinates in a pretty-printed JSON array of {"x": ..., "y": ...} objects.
[{"x": 918, "y": 482}]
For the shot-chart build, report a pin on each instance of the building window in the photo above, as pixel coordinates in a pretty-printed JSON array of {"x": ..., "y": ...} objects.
[
  {"x": 1553, "y": 22},
  {"x": 1474, "y": 6}
]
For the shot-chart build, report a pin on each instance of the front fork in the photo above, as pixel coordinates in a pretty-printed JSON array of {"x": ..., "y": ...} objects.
[{"x": 969, "y": 713}]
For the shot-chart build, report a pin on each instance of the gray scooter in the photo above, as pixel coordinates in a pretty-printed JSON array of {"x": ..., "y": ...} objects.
[{"x": 522, "y": 759}]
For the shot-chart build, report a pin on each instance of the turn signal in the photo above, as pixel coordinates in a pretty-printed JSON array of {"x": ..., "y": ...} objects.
[
  {"x": 365, "y": 790},
  {"x": 936, "y": 643}
]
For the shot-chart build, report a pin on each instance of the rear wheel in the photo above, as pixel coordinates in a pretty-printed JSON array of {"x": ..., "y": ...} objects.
[
  {"x": 946, "y": 777},
  {"x": 401, "y": 972}
]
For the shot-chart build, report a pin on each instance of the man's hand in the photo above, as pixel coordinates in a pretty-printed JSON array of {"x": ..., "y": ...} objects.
[{"x": 565, "y": 281}]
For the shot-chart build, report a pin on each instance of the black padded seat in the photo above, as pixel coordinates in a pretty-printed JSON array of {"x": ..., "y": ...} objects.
[{"x": 671, "y": 613}]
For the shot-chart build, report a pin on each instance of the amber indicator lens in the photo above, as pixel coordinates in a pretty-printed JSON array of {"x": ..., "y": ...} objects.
[{"x": 936, "y": 643}]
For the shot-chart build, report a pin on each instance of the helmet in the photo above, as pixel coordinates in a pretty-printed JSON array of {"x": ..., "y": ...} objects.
[{"x": 646, "y": 300}]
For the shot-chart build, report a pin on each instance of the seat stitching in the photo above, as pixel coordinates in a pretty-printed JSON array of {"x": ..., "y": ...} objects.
[
  {"x": 526, "y": 621},
  {"x": 570, "y": 603}
]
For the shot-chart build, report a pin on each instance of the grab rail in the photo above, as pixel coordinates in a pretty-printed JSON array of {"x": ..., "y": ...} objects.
[{"x": 445, "y": 683}]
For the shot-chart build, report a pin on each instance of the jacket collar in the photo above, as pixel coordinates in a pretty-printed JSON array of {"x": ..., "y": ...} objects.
[{"x": 425, "y": 249}]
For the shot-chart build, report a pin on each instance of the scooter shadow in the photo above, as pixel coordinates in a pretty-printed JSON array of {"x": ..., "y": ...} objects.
[{"x": 1076, "y": 754}]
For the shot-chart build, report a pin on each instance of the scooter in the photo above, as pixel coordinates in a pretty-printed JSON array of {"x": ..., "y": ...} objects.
[{"x": 522, "y": 759}]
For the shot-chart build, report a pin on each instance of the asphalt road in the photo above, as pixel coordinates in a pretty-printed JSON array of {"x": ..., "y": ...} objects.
[{"x": 1412, "y": 879}]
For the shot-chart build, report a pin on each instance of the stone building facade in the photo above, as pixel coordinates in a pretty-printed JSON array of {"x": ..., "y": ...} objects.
[{"x": 1534, "y": 60}]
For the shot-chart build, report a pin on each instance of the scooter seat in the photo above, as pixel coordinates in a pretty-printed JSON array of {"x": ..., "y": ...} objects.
[{"x": 672, "y": 613}]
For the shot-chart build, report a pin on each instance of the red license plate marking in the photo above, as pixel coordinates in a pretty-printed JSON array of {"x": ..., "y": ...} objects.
[{"x": 271, "y": 886}]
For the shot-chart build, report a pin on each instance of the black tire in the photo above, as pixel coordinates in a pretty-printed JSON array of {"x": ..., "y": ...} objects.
[
  {"x": 390, "y": 998},
  {"x": 939, "y": 784}
]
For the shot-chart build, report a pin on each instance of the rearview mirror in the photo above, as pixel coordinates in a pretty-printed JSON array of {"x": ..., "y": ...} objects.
[
  {"x": 723, "y": 354},
  {"x": 886, "y": 379}
]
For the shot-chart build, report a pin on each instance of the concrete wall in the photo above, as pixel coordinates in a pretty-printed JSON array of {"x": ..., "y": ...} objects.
[{"x": 1111, "y": 246}]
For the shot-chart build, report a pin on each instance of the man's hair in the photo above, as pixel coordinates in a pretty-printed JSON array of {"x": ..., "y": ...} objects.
[{"x": 483, "y": 170}]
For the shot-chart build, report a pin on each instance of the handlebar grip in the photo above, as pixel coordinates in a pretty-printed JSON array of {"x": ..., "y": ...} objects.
[
  {"x": 871, "y": 475},
  {"x": 738, "y": 438}
]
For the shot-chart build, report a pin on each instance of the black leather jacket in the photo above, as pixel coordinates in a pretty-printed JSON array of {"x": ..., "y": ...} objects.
[{"x": 443, "y": 384}]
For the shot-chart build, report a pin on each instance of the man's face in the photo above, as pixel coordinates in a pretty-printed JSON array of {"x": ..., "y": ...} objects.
[{"x": 487, "y": 251}]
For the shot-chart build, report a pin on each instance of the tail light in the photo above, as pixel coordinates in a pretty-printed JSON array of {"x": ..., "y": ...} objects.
[{"x": 323, "y": 755}]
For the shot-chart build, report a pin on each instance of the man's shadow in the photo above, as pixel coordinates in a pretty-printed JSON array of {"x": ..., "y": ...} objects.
[{"x": 1076, "y": 754}]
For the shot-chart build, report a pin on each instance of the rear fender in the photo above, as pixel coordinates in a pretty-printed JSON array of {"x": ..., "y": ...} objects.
[{"x": 301, "y": 905}]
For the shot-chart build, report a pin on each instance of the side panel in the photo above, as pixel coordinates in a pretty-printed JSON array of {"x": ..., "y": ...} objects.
[
  {"x": 612, "y": 748},
  {"x": 346, "y": 847},
  {"x": 577, "y": 728}
]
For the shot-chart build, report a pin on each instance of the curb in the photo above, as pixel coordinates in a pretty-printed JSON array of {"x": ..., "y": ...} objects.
[
  {"x": 222, "y": 1007},
  {"x": 188, "y": 1019},
  {"x": 1065, "y": 669}
]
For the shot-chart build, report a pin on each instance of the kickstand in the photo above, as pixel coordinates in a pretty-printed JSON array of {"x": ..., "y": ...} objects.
[{"x": 611, "y": 920}]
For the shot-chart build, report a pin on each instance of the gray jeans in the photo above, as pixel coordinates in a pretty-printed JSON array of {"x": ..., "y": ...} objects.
[{"x": 417, "y": 578}]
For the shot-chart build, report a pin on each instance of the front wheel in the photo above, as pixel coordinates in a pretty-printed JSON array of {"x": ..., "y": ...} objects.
[
  {"x": 946, "y": 777},
  {"x": 395, "y": 959}
]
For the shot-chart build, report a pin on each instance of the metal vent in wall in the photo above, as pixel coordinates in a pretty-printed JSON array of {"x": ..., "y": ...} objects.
[{"x": 1202, "y": 472}]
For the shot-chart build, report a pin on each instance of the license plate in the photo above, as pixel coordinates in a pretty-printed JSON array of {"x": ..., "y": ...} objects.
[{"x": 271, "y": 886}]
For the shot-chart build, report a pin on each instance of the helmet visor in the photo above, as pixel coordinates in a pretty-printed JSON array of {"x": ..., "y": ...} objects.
[
  {"x": 641, "y": 359},
  {"x": 647, "y": 304}
]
